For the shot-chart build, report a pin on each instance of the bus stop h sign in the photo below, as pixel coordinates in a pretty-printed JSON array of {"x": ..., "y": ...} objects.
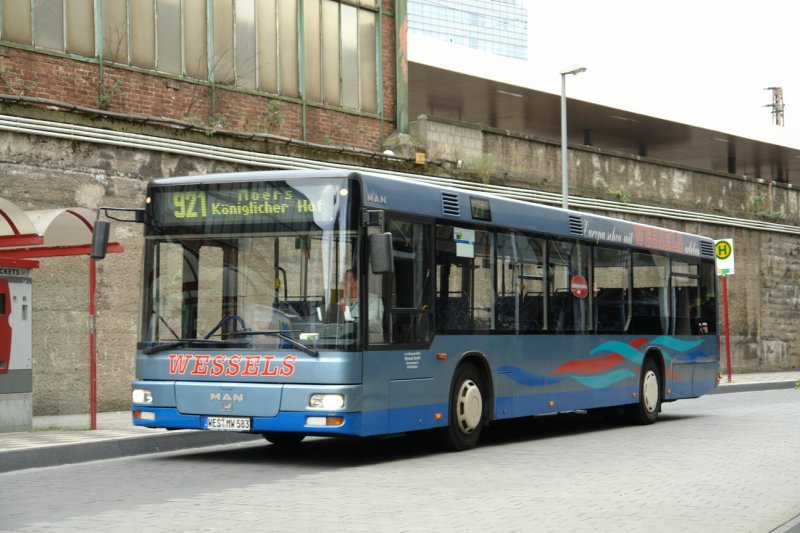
[{"x": 723, "y": 255}]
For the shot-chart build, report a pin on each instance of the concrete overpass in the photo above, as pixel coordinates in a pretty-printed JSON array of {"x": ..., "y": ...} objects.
[{"x": 443, "y": 93}]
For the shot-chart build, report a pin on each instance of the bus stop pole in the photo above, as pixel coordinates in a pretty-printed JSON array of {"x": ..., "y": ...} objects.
[
  {"x": 92, "y": 346},
  {"x": 727, "y": 327}
]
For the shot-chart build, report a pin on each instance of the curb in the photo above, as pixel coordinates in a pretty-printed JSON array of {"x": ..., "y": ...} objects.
[
  {"x": 751, "y": 387},
  {"x": 116, "y": 448}
]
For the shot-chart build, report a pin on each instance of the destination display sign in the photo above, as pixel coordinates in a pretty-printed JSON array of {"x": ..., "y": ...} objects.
[
  {"x": 632, "y": 234},
  {"x": 260, "y": 202}
]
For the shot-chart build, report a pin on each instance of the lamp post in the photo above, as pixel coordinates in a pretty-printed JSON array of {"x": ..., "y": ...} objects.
[{"x": 564, "y": 179}]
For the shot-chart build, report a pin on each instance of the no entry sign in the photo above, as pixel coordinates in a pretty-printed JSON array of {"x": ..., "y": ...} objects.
[{"x": 579, "y": 286}]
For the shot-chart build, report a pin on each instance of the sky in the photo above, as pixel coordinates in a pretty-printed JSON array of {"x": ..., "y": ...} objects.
[
  {"x": 702, "y": 62},
  {"x": 706, "y": 62}
]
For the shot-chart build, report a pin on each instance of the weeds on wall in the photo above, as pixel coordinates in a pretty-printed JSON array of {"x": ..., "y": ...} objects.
[
  {"x": 107, "y": 94},
  {"x": 483, "y": 167},
  {"x": 208, "y": 125},
  {"x": 758, "y": 208},
  {"x": 622, "y": 196},
  {"x": 273, "y": 117}
]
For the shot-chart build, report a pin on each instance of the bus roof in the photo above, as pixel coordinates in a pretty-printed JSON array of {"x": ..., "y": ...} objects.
[{"x": 456, "y": 205}]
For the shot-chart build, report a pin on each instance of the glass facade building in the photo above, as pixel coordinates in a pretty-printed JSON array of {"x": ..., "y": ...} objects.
[{"x": 498, "y": 27}]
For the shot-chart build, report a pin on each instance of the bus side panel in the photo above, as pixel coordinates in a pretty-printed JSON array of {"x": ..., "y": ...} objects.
[
  {"x": 705, "y": 378},
  {"x": 421, "y": 416},
  {"x": 693, "y": 373},
  {"x": 404, "y": 391},
  {"x": 531, "y": 375}
]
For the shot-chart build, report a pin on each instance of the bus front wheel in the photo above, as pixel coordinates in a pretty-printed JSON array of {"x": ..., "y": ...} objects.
[
  {"x": 467, "y": 410},
  {"x": 646, "y": 410}
]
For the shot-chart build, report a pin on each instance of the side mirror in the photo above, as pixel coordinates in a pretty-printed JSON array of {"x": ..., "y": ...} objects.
[
  {"x": 100, "y": 238},
  {"x": 380, "y": 253}
]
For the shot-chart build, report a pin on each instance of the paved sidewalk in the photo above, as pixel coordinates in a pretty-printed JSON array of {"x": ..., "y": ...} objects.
[
  {"x": 57, "y": 440},
  {"x": 758, "y": 381}
]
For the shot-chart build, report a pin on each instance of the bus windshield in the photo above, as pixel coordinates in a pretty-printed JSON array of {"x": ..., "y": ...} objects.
[{"x": 255, "y": 265}]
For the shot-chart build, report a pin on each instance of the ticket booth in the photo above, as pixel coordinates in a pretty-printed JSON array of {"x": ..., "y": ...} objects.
[{"x": 16, "y": 372}]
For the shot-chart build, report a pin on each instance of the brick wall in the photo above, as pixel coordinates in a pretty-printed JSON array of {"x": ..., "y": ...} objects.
[{"x": 76, "y": 82}]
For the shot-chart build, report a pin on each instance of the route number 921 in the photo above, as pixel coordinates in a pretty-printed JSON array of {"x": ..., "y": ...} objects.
[{"x": 189, "y": 204}]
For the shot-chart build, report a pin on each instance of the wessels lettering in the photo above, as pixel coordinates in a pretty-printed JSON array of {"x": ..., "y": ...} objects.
[{"x": 233, "y": 365}]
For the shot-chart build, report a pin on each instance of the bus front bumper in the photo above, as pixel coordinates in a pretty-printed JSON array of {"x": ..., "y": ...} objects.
[{"x": 316, "y": 423}]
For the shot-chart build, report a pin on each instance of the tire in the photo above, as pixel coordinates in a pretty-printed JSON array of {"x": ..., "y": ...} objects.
[
  {"x": 467, "y": 415},
  {"x": 284, "y": 440},
  {"x": 646, "y": 410}
]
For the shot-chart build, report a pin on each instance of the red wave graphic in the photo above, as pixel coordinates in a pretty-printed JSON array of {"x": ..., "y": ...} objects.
[
  {"x": 590, "y": 366},
  {"x": 638, "y": 342},
  {"x": 671, "y": 374}
]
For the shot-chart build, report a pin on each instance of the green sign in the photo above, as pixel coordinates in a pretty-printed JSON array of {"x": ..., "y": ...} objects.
[
  {"x": 255, "y": 203},
  {"x": 723, "y": 249}
]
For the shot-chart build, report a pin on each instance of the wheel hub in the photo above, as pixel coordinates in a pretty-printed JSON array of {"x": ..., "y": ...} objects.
[
  {"x": 469, "y": 407},
  {"x": 650, "y": 391}
]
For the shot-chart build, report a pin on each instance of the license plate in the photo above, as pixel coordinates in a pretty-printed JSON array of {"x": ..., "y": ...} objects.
[{"x": 227, "y": 423}]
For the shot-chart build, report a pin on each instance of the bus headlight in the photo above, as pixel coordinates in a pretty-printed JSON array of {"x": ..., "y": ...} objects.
[
  {"x": 142, "y": 396},
  {"x": 326, "y": 401}
]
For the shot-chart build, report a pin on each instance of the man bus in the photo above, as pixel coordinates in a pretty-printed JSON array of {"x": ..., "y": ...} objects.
[{"x": 489, "y": 308}]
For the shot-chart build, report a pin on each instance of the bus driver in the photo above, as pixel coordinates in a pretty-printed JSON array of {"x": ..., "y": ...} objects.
[{"x": 350, "y": 305}]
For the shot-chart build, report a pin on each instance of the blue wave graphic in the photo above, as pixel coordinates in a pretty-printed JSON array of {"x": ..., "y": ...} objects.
[
  {"x": 528, "y": 379},
  {"x": 635, "y": 356},
  {"x": 604, "y": 380},
  {"x": 676, "y": 344},
  {"x": 693, "y": 356},
  {"x": 625, "y": 350}
]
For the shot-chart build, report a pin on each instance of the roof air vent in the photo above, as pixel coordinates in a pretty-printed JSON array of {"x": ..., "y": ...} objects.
[
  {"x": 575, "y": 225},
  {"x": 707, "y": 249},
  {"x": 450, "y": 204}
]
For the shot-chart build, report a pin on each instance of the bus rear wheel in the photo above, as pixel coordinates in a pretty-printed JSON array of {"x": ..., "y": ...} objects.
[
  {"x": 467, "y": 410},
  {"x": 646, "y": 410}
]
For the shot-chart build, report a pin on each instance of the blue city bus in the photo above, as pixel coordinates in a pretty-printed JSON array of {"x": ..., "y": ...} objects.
[{"x": 478, "y": 308}]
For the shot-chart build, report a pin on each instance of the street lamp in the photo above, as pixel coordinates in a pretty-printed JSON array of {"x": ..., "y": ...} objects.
[{"x": 564, "y": 179}]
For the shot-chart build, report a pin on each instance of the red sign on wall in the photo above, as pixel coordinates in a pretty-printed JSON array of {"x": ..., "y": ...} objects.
[{"x": 5, "y": 326}]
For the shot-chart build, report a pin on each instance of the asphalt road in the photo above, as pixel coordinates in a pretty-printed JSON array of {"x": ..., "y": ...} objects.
[{"x": 719, "y": 463}]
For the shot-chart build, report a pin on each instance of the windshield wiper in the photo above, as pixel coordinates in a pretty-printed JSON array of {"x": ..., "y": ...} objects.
[
  {"x": 277, "y": 333},
  {"x": 183, "y": 342}
]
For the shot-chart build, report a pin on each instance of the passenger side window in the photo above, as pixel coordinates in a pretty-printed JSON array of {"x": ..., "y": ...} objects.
[
  {"x": 464, "y": 279},
  {"x": 686, "y": 299},
  {"x": 611, "y": 284},
  {"x": 708, "y": 302},
  {"x": 520, "y": 283},
  {"x": 569, "y": 287},
  {"x": 650, "y": 313},
  {"x": 532, "y": 288}
]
